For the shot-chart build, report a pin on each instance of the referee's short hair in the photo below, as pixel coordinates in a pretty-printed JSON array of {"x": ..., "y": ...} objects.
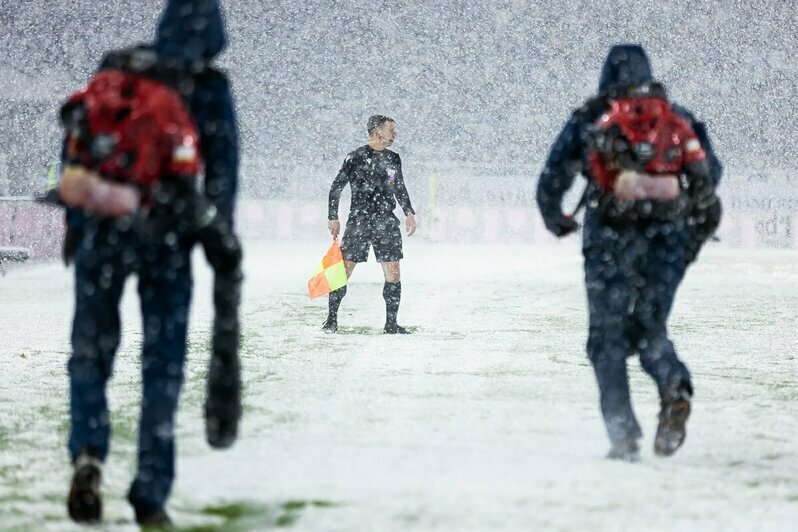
[{"x": 377, "y": 121}]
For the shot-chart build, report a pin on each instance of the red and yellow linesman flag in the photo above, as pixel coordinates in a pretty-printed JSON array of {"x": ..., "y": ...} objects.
[{"x": 330, "y": 275}]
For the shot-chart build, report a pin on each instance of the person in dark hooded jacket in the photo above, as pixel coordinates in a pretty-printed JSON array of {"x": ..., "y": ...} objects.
[
  {"x": 633, "y": 266},
  {"x": 106, "y": 250}
]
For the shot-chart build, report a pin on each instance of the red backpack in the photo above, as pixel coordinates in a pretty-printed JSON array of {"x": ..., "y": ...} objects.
[
  {"x": 640, "y": 132},
  {"x": 130, "y": 129}
]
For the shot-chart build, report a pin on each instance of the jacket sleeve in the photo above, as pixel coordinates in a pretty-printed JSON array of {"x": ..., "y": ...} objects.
[
  {"x": 707, "y": 209},
  {"x": 74, "y": 218},
  {"x": 715, "y": 166},
  {"x": 401, "y": 190},
  {"x": 214, "y": 111},
  {"x": 337, "y": 187},
  {"x": 562, "y": 165}
]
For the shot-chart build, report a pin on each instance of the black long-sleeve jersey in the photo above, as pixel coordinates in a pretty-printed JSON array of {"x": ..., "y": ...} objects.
[{"x": 376, "y": 181}]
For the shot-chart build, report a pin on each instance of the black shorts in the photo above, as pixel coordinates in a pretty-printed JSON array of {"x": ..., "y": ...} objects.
[{"x": 382, "y": 232}]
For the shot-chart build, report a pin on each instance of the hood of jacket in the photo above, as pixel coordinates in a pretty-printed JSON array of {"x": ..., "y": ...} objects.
[
  {"x": 191, "y": 31},
  {"x": 626, "y": 65}
]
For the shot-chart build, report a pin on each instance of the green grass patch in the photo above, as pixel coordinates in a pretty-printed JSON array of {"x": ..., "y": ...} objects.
[
  {"x": 357, "y": 330},
  {"x": 368, "y": 330},
  {"x": 242, "y": 516},
  {"x": 57, "y": 414},
  {"x": 10, "y": 475},
  {"x": 14, "y": 498},
  {"x": 198, "y": 344},
  {"x": 125, "y": 425},
  {"x": 5, "y": 439},
  {"x": 291, "y": 510}
]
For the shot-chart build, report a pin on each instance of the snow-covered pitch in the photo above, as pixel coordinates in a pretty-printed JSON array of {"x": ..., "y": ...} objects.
[{"x": 485, "y": 419}]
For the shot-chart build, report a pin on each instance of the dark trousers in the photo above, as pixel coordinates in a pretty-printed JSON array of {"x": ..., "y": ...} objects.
[
  {"x": 104, "y": 259},
  {"x": 631, "y": 276}
]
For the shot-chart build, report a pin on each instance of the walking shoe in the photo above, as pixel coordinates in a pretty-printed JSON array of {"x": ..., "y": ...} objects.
[
  {"x": 157, "y": 519},
  {"x": 672, "y": 421},
  {"x": 85, "y": 501},
  {"x": 626, "y": 450},
  {"x": 330, "y": 326},
  {"x": 392, "y": 328}
]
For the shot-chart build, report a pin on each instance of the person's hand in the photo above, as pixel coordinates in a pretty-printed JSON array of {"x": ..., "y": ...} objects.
[
  {"x": 634, "y": 186},
  {"x": 627, "y": 185},
  {"x": 85, "y": 189},
  {"x": 410, "y": 224},
  {"x": 335, "y": 228},
  {"x": 564, "y": 226}
]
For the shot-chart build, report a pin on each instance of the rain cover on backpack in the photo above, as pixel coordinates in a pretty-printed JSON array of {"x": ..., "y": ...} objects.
[
  {"x": 640, "y": 133},
  {"x": 131, "y": 129}
]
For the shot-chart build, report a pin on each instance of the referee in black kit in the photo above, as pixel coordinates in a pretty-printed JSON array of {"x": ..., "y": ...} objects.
[{"x": 375, "y": 174}]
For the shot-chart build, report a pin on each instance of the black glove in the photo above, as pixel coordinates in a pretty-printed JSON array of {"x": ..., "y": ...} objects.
[
  {"x": 51, "y": 197},
  {"x": 223, "y": 251},
  {"x": 563, "y": 226},
  {"x": 701, "y": 225},
  {"x": 223, "y": 402},
  {"x": 71, "y": 243}
]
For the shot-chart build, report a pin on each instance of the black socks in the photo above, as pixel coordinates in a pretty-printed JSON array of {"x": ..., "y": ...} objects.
[
  {"x": 392, "y": 293},
  {"x": 334, "y": 302}
]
